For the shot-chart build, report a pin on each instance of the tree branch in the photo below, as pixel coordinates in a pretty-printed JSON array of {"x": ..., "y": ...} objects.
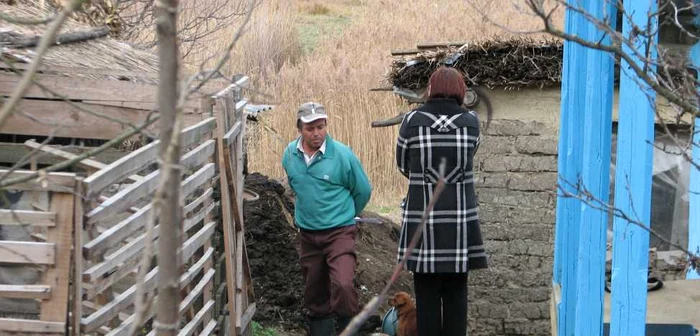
[
  {"x": 591, "y": 200},
  {"x": 68, "y": 163},
  {"x": 46, "y": 41},
  {"x": 371, "y": 307}
]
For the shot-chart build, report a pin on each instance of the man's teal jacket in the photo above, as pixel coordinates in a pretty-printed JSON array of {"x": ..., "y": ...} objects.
[{"x": 331, "y": 191}]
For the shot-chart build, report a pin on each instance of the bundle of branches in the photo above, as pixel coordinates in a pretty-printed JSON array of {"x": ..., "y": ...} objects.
[{"x": 515, "y": 62}]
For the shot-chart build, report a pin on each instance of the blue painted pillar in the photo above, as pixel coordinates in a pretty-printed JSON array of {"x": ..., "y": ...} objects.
[
  {"x": 595, "y": 176},
  {"x": 694, "y": 193},
  {"x": 633, "y": 183},
  {"x": 569, "y": 166},
  {"x": 694, "y": 188}
]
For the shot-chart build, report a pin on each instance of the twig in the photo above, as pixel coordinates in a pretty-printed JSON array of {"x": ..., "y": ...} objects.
[
  {"x": 371, "y": 307},
  {"x": 46, "y": 41},
  {"x": 25, "y": 22},
  {"x": 229, "y": 49},
  {"x": 68, "y": 163},
  {"x": 64, "y": 98},
  {"x": 591, "y": 200},
  {"x": 23, "y": 41}
]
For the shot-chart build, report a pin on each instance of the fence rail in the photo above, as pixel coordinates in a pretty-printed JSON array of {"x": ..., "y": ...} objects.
[{"x": 106, "y": 228}]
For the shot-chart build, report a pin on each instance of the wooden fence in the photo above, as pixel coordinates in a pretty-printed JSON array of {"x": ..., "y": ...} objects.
[
  {"x": 109, "y": 225},
  {"x": 51, "y": 223}
]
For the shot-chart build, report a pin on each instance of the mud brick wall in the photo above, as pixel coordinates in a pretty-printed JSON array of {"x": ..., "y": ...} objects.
[{"x": 516, "y": 184}]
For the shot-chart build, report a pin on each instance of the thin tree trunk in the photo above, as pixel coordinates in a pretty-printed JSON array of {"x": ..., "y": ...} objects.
[{"x": 170, "y": 210}]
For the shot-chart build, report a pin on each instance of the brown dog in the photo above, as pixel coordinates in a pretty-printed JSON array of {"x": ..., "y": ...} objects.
[{"x": 406, "y": 313}]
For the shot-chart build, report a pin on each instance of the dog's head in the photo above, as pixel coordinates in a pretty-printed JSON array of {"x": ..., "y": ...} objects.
[{"x": 402, "y": 301}]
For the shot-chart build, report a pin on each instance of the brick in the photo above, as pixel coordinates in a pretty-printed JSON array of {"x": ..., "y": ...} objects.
[
  {"x": 516, "y": 198},
  {"x": 522, "y": 263},
  {"x": 518, "y": 181},
  {"x": 488, "y": 309},
  {"x": 535, "y": 232},
  {"x": 547, "y": 145},
  {"x": 510, "y": 295},
  {"x": 519, "y": 163},
  {"x": 485, "y": 326},
  {"x": 502, "y": 277},
  {"x": 531, "y": 311},
  {"x": 520, "y": 247},
  {"x": 497, "y": 145},
  {"x": 502, "y": 214},
  {"x": 517, "y": 327},
  {"x": 517, "y": 127}
]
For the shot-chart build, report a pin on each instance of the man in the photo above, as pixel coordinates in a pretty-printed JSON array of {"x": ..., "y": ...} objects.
[{"x": 331, "y": 189}]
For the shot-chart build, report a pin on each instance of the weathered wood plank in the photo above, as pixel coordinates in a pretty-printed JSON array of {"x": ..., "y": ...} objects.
[
  {"x": 12, "y": 252},
  {"x": 125, "y": 299},
  {"x": 209, "y": 329},
  {"x": 240, "y": 105},
  {"x": 196, "y": 292},
  {"x": 192, "y": 221},
  {"x": 185, "y": 280},
  {"x": 85, "y": 163},
  {"x": 27, "y": 217},
  {"x": 38, "y": 292},
  {"x": 15, "y": 326},
  {"x": 196, "y": 180},
  {"x": 14, "y": 152},
  {"x": 102, "y": 283},
  {"x": 54, "y": 69},
  {"x": 124, "y": 198},
  {"x": 62, "y": 182},
  {"x": 190, "y": 327},
  {"x": 117, "y": 170},
  {"x": 245, "y": 319},
  {"x": 74, "y": 88},
  {"x": 77, "y": 285},
  {"x": 241, "y": 83},
  {"x": 57, "y": 118},
  {"x": 145, "y": 155},
  {"x": 194, "y": 204},
  {"x": 226, "y": 215},
  {"x": 117, "y": 233},
  {"x": 133, "y": 223},
  {"x": 58, "y": 277},
  {"x": 232, "y": 134},
  {"x": 127, "y": 252}
]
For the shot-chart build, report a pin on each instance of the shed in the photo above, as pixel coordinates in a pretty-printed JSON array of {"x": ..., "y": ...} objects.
[{"x": 517, "y": 166}]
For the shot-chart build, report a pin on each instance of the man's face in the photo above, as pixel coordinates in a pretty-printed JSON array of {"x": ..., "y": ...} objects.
[{"x": 313, "y": 133}]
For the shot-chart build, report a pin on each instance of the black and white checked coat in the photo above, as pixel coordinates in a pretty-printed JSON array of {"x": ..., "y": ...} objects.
[{"x": 451, "y": 241}]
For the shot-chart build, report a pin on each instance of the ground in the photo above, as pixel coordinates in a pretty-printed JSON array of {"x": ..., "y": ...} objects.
[{"x": 271, "y": 240}]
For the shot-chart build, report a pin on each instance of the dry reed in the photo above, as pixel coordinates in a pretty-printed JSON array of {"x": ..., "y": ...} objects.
[{"x": 341, "y": 70}]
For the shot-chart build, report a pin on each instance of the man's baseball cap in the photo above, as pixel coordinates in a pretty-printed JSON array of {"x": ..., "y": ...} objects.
[{"x": 311, "y": 111}]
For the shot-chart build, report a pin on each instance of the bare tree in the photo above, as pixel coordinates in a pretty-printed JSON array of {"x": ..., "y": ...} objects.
[{"x": 168, "y": 195}]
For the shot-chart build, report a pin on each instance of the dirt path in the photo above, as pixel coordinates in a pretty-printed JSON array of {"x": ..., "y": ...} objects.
[{"x": 272, "y": 242}]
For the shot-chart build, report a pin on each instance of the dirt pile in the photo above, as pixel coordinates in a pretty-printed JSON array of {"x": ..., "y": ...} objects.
[{"x": 271, "y": 240}]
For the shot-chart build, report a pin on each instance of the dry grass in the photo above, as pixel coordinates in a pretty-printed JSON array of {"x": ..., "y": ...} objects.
[{"x": 341, "y": 70}]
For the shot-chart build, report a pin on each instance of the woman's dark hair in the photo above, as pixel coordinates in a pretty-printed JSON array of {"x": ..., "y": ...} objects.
[{"x": 447, "y": 83}]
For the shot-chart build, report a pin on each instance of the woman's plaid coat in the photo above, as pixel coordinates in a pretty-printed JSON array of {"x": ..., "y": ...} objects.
[{"x": 451, "y": 241}]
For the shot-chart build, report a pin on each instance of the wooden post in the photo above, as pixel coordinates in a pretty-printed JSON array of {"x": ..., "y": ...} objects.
[
  {"x": 694, "y": 188},
  {"x": 633, "y": 179},
  {"x": 567, "y": 219},
  {"x": 595, "y": 176},
  {"x": 78, "y": 216},
  {"x": 694, "y": 191}
]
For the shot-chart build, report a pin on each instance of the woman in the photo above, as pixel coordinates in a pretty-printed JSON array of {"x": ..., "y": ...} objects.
[{"x": 451, "y": 242}]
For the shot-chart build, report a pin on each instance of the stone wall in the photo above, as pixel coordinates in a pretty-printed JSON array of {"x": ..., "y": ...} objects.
[{"x": 516, "y": 184}]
